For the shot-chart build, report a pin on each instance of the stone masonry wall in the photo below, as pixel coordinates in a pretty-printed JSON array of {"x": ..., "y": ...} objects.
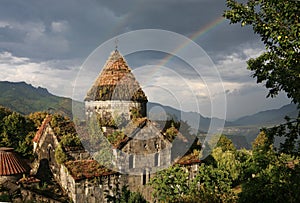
[
  {"x": 89, "y": 190},
  {"x": 114, "y": 109}
]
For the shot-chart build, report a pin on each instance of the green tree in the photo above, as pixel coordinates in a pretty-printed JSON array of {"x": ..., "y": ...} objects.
[
  {"x": 227, "y": 161},
  {"x": 269, "y": 176},
  {"x": 70, "y": 140},
  {"x": 277, "y": 180},
  {"x": 277, "y": 23},
  {"x": 126, "y": 196},
  {"x": 225, "y": 144},
  {"x": 60, "y": 155},
  {"x": 170, "y": 185},
  {"x": 17, "y": 132},
  {"x": 37, "y": 118},
  {"x": 171, "y": 133},
  {"x": 212, "y": 185}
]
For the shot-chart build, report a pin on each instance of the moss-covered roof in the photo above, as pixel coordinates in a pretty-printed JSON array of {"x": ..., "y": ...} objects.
[
  {"x": 190, "y": 158},
  {"x": 86, "y": 169},
  {"x": 116, "y": 82}
]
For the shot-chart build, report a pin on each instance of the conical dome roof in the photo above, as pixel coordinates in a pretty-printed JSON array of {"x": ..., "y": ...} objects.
[
  {"x": 10, "y": 164},
  {"x": 116, "y": 82}
]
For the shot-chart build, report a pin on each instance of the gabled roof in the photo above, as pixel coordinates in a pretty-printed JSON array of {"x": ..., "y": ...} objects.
[
  {"x": 10, "y": 163},
  {"x": 116, "y": 82},
  {"x": 134, "y": 127},
  {"x": 61, "y": 127},
  {"x": 41, "y": 129}
]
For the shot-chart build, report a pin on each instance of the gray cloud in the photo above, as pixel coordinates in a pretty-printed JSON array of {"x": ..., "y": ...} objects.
[
  {"x": 88, "y": 24},
  {"x": 44, "y": 43}
]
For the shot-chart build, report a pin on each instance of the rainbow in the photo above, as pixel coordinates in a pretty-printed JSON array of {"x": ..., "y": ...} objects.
[{"x": 208, "y": 27}]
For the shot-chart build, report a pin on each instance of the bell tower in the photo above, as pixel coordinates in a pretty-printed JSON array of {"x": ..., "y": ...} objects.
[{"x": 115, "y": 96}]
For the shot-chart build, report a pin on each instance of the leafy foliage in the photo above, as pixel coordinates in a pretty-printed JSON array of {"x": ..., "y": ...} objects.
[
  {"x": 225, "y": 144},
  {"x": 115, "y": 137},
  {"x": 227, "y": 161},
  {"x": 212, "y": 185},
  {"x": 277, "y": 23},
  {"x": 70, "y": 140},
  {"x": 60, "y": 155},
  {"x": 171, "y": 133},
  {"x": 37, "y": 118},
  {"x": 291, "y": 131},
  {"x": 275, "y": 179},
  {"x": 126, "y": 196},
  {"x": 170, "y": 185},
  {"x": 16, "y": 131}
]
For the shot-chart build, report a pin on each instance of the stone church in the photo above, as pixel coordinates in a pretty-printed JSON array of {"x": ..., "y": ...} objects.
[{"x": 137, "y": 146}]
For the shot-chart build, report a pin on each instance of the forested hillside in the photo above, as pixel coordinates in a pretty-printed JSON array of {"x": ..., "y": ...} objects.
[{"x": 25, "y": 99}]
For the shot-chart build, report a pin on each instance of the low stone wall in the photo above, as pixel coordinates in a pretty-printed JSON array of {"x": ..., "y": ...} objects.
[
  {"x": 13, "y": 179},
  {"x": 30, "y": 196}
]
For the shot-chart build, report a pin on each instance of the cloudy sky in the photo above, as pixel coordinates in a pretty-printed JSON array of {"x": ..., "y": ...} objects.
[{"x": 45, "y": 43}]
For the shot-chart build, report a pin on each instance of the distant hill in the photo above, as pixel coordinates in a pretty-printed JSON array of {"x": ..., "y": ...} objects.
[
  {"x": 267, "y": 118},
  {"x": 25, "y": 99},
  {"x": 195, "y": 120}
]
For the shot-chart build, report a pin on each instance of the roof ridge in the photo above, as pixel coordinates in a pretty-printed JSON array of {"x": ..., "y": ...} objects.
[{"x": 42, "y": 128}]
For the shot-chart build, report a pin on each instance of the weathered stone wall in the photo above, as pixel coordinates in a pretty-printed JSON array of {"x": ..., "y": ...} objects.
[
  {"x": 139, "y": 183},
  {"x": 89, "y": 190},
  {"x": 147, "y": 149},
  {"x": 30, "y": 196},
  {"x": 67, "y": 182},
  {"x": 114, "y": 109}
]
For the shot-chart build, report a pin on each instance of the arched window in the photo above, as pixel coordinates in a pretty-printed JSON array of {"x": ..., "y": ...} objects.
[
  {"x": 49, "y": 148},
  {"x": 144, "y": 177}
]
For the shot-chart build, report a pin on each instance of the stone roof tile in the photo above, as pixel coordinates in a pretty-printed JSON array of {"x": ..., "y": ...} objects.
[
  {"x": 116, "y": 82},
  {"x": 10, "y": 163}
]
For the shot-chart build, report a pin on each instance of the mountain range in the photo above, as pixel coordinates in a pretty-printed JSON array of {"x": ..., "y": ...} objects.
[{"x": 24, "y": 98}]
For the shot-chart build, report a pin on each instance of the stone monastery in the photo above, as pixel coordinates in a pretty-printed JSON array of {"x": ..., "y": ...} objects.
[{"x": 136, "y": 148}]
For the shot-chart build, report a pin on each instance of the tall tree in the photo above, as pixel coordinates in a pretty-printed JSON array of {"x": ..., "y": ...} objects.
[{"x": 277, "y": 22}]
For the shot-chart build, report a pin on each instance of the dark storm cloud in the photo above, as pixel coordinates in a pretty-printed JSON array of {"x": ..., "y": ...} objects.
[{"x": 90, "y": 23}]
